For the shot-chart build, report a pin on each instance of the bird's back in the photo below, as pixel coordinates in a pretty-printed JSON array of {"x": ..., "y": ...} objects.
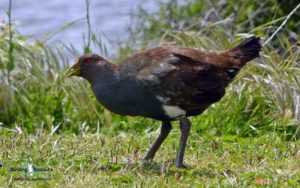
[{"x": 184, "y": 81}]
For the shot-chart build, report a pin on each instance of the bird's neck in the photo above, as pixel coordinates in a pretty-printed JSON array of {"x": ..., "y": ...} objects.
[
  {"x": 106, "y": 85},
  {"x": 104, "y": 80},
  {"x": 102, "y": 76}
]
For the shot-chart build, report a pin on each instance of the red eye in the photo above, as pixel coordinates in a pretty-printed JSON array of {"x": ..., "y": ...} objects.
[{"x": 88, "y": 61}]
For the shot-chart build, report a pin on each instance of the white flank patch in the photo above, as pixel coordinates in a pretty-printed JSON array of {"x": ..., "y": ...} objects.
[
  {"x": 173, "y": 111},
  {"x": 162, "y": 99}
]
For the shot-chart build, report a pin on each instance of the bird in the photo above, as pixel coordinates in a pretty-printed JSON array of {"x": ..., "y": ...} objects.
[{"x": 165, "y": 83}]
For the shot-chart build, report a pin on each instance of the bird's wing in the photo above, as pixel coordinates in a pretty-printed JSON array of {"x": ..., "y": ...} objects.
[{"x": 181, "y": 77}]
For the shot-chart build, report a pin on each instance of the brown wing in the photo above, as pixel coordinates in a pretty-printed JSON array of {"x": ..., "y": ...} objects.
[
  {"x": 182, "y": 77},
  {"x": 186, "y": 77}
]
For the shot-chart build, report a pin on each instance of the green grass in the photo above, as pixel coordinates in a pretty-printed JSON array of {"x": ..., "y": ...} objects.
[
  {"x": 98, "y": 160},
  {"x": 249, "y": 138}
]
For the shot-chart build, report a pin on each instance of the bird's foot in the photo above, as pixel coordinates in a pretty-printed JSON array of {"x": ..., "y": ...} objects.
[
  {"x": 146, "y": 161},
  {"x": 180, "y": 165},
  {"x": 148, "y": 158}
]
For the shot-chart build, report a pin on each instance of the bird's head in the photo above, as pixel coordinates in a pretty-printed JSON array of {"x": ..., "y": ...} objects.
[
  {"x": 86, "y": 65},
  {"x": 93, "y": 67}
]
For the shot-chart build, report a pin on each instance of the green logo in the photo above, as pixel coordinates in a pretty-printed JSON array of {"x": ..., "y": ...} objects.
[{"x": 28, "y": 171}]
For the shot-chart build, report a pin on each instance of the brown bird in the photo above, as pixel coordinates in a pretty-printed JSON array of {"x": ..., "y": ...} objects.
[{"x": 165, "y": 83}]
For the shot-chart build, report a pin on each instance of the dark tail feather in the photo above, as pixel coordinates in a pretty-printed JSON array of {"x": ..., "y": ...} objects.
[{"x": 246, "y": 51}]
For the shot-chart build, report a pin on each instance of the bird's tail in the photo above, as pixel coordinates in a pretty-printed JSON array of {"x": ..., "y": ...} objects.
[
  {"x": 240, "y": 55},
  {"x": 246, "y": 51}
]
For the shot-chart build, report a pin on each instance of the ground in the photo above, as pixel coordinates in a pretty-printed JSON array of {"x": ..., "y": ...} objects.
[{"x": 98, "y": 160}]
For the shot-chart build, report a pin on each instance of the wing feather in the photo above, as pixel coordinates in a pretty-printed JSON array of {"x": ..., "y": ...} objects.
[{"x": 180, "y": 80}]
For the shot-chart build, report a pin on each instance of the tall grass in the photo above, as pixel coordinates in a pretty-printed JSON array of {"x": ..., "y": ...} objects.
[
  {"x": 89, "y": 37},
  {"x": 10, "y": 63},
  {"x": 38, "y": 95},
  {"x": 264, "y": 97}
]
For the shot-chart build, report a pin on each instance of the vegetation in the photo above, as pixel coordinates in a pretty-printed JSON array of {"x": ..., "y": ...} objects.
[
  {"x": 249, "y": 138},
  {"x": 91, "y": 161}
]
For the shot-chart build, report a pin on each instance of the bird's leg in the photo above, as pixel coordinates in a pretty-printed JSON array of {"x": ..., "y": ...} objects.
[
  {"x": 185, "y": 126},
  {"x": 164, "y": 132}
]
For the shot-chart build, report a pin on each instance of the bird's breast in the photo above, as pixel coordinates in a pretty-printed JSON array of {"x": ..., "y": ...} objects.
[{"x": 136, "y": 101}]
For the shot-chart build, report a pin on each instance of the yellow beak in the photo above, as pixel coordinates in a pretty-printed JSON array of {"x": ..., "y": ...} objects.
[{"x": 74, "y": 70}]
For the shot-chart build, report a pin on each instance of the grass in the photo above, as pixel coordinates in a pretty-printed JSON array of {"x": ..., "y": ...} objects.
[
  {"x": 56, "y": 122},
  {"x": 90, "y": 159}
]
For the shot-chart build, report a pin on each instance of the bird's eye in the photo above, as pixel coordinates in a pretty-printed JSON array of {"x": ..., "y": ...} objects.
[{"x": 88, "y": 61}]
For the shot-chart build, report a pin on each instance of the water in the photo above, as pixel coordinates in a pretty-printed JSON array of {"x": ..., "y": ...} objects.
[{"x": 35, "y": 18}]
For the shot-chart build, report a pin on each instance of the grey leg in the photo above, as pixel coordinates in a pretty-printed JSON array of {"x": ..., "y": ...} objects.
[
  {"x": 164, "y": 132},
  {"x": 185, "y": 127}
]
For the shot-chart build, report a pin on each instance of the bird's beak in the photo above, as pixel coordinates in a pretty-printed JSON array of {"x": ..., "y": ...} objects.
[{"x": 74, "y": 70}]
